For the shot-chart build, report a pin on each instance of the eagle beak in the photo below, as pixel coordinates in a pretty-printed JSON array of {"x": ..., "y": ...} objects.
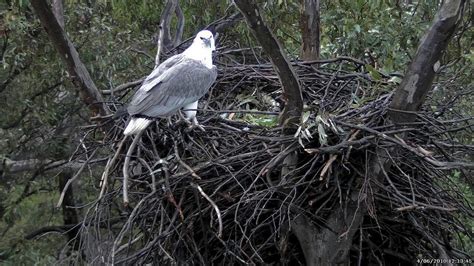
[{"x": 209, "y": 42}]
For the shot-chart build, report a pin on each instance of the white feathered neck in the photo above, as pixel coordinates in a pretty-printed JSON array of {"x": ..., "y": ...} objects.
[{"x": 199, "y": 52}]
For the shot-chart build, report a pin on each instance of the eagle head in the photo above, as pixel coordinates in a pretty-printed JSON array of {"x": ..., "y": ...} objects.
[{"x": 205, "y": 39}]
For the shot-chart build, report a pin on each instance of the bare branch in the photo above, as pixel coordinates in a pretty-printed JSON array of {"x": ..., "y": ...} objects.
[
  {"x": 81, "y": 78},
  {"x": 72, "y": 179},
  {"x": 124, "y": 86}
]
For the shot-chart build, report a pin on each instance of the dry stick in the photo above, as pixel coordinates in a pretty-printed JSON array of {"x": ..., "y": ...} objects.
[
  {"x": 327, "y": 165},
  {"x": 440, "y": 164},
  {"x": 420, "y": 205},
  {"x": 126, "y": 165},
  {"x": 124, "y": 246},
  {"x": 416, "y": 207},
  {"x": 153, "y": 179},
  {"x": 127, "y": 225},
  {"x": 191, "y": 171},
  {"x": 214, "y": 205},
  {"x": 68, "y": 183},
  {"x": 110, "y": 164},
  {"x": 124, "y": 86}
]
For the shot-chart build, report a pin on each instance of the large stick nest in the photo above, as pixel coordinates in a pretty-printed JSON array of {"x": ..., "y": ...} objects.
[{"x": 219, "y": 196}]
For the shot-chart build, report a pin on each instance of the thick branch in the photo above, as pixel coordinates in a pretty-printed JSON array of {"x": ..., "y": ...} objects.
[
  {"x": 291, "y": 114},
  {"x": 11, "y": 166},
  {"x": 166, "y": 23},
  {"x": 14, "y": 167},
  {"x": 80, "y": 76},
  {"x": 419, "y": 78},
  {"x": 180, "y": 25},
  {"x": 58, "y": 11}
]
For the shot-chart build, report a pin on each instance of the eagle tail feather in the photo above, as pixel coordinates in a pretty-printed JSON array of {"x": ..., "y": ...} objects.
[{"x": 136, "y": 125}]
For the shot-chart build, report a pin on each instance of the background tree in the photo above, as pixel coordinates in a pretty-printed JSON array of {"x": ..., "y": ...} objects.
[{"x": 310, "y": 29}]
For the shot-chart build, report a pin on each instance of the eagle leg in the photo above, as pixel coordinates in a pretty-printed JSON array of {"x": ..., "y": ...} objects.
[
  {"x": 195, "y": 124},
  {"x": 190, "y": 121},
  {"x": 182, "y": 118}
]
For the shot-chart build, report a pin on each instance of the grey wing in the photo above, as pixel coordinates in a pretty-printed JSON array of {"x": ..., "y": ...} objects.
[
  {"x": 158, "y": 71},
  {"x": 182, "y": 84}
]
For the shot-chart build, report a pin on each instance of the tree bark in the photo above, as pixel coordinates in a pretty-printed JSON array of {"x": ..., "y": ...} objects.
[
  {"x": 81, "y": 78},
  {"x": 417, "y": 83},
  {"x": 330, "y": 245},
  {"x": 291, "y": 114},
  {"x": 58, "y": 11},
  {"x": 310, "y": 29}
]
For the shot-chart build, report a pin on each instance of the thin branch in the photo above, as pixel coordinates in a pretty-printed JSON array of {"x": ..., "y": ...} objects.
[
  {"x": 123, "y": 86},
  {"x": 72, "y": 179},
  {"x": 110, "y": 164},
  {"x": 214, "y": 205}
]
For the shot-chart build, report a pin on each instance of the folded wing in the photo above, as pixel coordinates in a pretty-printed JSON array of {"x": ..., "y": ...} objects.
[{"x": 171, "y": 86}]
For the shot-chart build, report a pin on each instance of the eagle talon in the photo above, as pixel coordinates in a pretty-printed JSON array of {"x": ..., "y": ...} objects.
[
  {"x": 182, "y": 120},
  {"x": 195, "y": 124}
]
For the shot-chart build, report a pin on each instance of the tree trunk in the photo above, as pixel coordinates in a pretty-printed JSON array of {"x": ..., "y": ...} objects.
[
  {"x": 291, "y": 114},
  {"x": 58, "y": 11},
  {"x": 417, "y": 83},
  {"x": 81, "y": 78},
  {"x": 310, "y": 29},
  {"x": 330, "y": 245}
]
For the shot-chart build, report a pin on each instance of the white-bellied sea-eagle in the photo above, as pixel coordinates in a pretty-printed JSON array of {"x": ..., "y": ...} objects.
[{"x": 179, "y": 82}]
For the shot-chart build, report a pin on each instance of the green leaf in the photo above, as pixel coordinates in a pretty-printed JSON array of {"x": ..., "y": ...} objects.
[
  {"x": 322, "y": 134},
  {"x": 469, "y": 56},
  {"x": 305, "y": 116},
  {"x": 395, "y": 79},
  {"x": 357, "y": 28},
  {"x": 373, "y": 72}
]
